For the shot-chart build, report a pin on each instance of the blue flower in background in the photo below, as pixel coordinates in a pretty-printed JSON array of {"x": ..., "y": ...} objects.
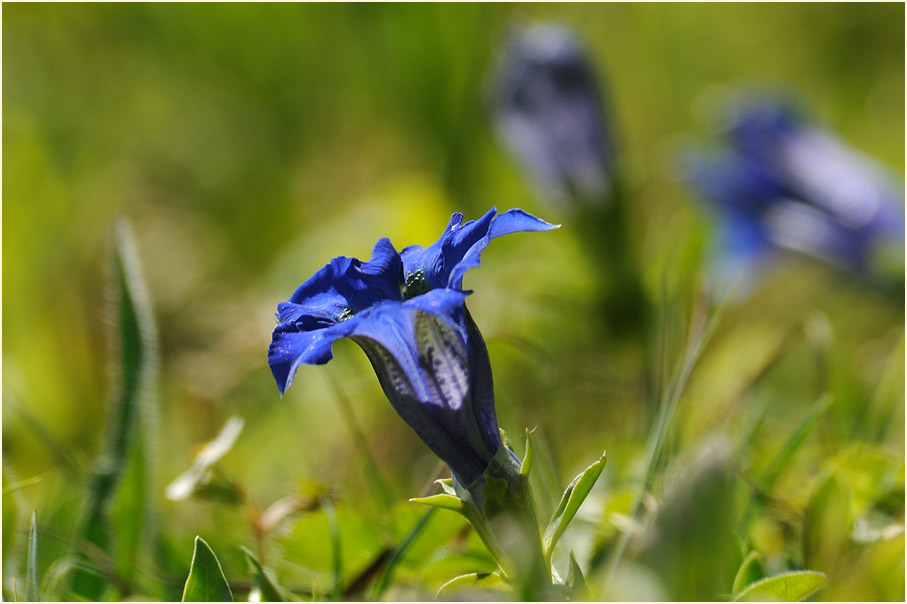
[
  {"x": 783, "y": 183},
  {"x": 547, "y": 109},
  {"x": 407, "y": 311}
]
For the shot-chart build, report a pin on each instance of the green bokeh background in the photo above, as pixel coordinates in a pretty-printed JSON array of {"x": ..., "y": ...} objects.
[{"x": 250, "y": 144}]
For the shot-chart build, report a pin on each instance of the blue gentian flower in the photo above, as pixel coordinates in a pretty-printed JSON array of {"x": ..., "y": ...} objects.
[
  {"x": 783, "y": 183},
  {"x": 547, "y": 109},
  {"x": 407, "y": 311}
]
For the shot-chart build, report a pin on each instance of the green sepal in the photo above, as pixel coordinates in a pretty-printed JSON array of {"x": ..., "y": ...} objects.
[
  {"x": 495, "y": 494},
  {"x": 474, "y": 581},
  {"x": 267, "y": 590},
  {"x": 571, "y": 500},
  {"x": 206, "y": 581},
  {"x": 751, "y": 570},
  {"x": 447, "y": 485},
  {"x": 505, "y": 440},
  {"x": 444, "y": 501},
  {"x": 576, "y": 581},
  {"x": 794, "y": 586},
  {"x": 526, "y": 466}
]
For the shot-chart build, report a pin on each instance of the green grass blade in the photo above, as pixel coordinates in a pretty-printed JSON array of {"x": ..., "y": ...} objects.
[
  {"x": 267, "y": 590},
  {"x": 701, "y": 333},
  {"x": 385, "y": 578},
  {"x": 31, "y": 584},
  {"x": 206, "y": 581},
  {"x": 888, "y": 395},
  {"x": 336, "y": 552},
  {"x": 786, "y": 455}
]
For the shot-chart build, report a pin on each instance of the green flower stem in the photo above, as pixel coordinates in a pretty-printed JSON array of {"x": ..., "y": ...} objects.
[{"x": 501, "y": 508}]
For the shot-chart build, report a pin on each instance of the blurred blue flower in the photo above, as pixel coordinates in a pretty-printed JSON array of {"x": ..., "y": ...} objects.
[
  {"x": 784, "y": 183},
  {"x": 547, "y": 109},
  {"x": 407, "y": 312}
]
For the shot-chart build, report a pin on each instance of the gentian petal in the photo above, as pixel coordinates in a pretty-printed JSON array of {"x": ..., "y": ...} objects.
[
  {"x": 547, "y": 109},
  {"x": 319, "y": 310},
  {"x": 291, "y": 348},
  {"x": 428, "y": 353},
  {"x": 445, "y": 262},
  {"x": 791, "y": 185},
  {"x": 348, "y": 285},
  {"x": 427, "y": 386}
]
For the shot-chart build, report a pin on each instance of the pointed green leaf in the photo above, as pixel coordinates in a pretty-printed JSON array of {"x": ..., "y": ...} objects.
[
  {"x": 526, "y": 468},
  {"x": 31, "y": 584},
  {"x": 572, "y": 499},
  {"x": 442, "y": 500},
  {"x": 751, "y": 570},
  {"x": 576, "y": 581},
  {"x": 115, "y": 510},
  {"x": 794, "y": 586},
  {"x": 473, "y": 582},
  {"x": 206, "y": 581},
  {"x": 267, "y": 590}
]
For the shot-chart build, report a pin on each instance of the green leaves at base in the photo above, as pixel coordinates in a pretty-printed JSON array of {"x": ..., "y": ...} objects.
[
  {"x": 572, "y": 499},
  {"x": 794, "y": 586},
  {"x": 206, "y": 581}
]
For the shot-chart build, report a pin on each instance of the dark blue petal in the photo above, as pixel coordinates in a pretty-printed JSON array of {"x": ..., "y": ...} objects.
[
  {"x": 444, "y": 263},
  {"x": 348, "y": 285},
  {"x": 518, "y": 221},
  {"x": 291, "y": 347},
  {"x": 482, "y": 385},
  {"x": 433, "y": 400},
  {"x": 320, "y": 310}
]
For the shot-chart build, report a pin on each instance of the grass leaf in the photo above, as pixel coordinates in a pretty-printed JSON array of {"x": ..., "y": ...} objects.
[
  {"x": 31, "y": 584},
  {"x": 784, "y": 457},
  {"x": 116, "y": 512},
  {"x": 267, "y": 590},
  {"x": 399, "y": 552},
  {"x": 206, "y": 581}
]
